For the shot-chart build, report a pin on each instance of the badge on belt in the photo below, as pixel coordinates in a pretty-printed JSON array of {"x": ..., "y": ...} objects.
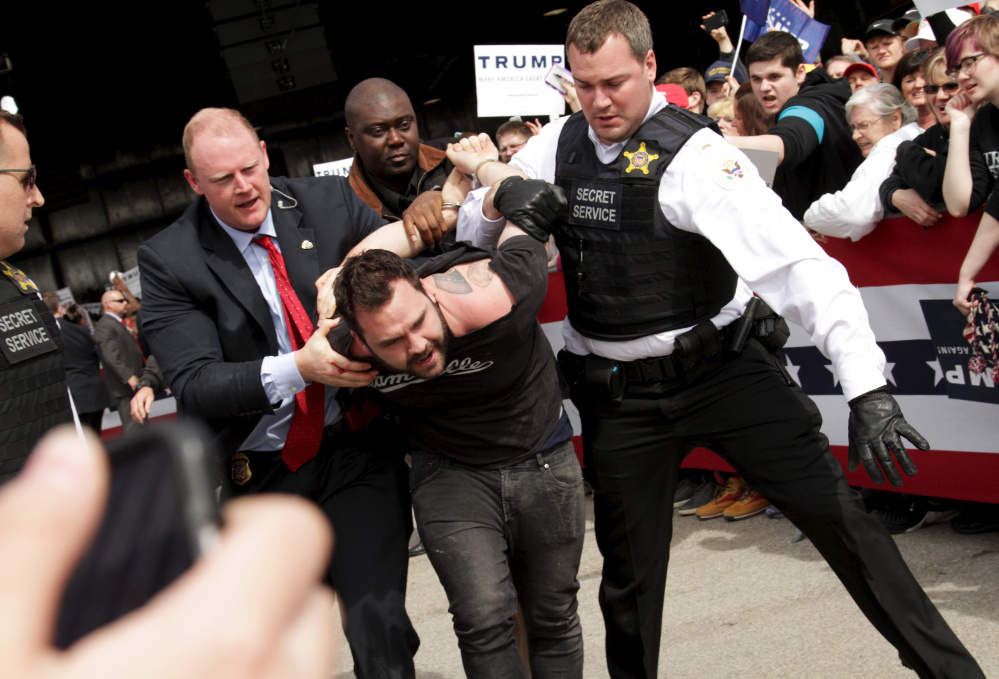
[{"x": 239, "y": 469}]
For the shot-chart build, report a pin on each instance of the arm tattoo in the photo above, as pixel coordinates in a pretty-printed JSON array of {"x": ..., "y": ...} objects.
[
  {"x": 479, "y": 273},
  {"x": 452, "y": 281}
]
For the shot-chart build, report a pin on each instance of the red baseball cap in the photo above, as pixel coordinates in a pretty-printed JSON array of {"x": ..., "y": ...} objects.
[
  {"x": 674, "y": 94},
  {"x": 861, "y": 66}
]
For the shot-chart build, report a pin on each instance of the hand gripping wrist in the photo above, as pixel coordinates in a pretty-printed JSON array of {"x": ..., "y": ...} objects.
[{"x": 532, "y": 204}]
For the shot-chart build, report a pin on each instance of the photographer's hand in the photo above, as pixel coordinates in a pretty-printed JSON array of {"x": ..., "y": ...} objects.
[{"x": 204, "y": 626}]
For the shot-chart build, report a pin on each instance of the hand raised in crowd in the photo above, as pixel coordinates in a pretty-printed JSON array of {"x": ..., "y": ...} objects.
[
  {"x": 317, "y": 362},
  {"x": 807, "y": 8},
  {"x": 731, "y": 86},
  {"x": 471, "y": 152},
  {"x": 142, "y": 403},
  {"x": 719, "y": 35},
  {"x": 960, "y": 110},
  {"x": 425, "y": 218},
  {"x": 118, "y": 283},
  {"x": 571, "y": 98},
  {"x": 536, "y": 126},
  {"x": 912, "y": 205},
  {"x": 203, "y": 626},
  {"x": 132, "y": 304},
  {"x": 847, "y": 45}
]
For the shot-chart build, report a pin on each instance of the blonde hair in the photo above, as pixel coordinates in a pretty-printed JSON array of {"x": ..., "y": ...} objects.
[
  {"x": 935, "y": 68},
  {"x": 723, "y": 108}
]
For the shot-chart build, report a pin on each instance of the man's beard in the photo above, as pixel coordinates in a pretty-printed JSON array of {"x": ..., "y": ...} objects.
[{"x": 438, "y": 346}]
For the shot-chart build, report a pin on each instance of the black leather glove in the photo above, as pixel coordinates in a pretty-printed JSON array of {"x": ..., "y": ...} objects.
[
  {"x": 875, "y": 424},
  {"x": 531, "y": 204}
]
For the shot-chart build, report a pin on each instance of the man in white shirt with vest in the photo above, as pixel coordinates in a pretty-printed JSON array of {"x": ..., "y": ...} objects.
[{"x": 667, "y": 233}]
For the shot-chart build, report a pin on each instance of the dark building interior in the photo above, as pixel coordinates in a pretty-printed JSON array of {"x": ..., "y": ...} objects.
[{"x": 106, "y": 90}]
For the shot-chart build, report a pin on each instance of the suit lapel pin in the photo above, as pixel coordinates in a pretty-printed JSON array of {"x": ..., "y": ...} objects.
[{"x": 307, "y": 245}]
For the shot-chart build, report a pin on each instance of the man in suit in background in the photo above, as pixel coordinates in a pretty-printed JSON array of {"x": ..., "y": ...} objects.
[
  {"x": 120, "y": 355},
  {"x": 229, "y": 310},
  {"x": 83, "y": 365}
]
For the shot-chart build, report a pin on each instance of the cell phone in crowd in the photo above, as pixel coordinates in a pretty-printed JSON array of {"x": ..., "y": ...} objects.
[
  {"x": 161, "y": 514},
  {"x": 719, "y": 19},
  {"x": 555, "y": 75}
]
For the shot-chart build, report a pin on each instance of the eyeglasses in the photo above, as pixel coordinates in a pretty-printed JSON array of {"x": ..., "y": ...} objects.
[
  {"x": 949, "y": 88},
  {"x": 122, "y": 300},
  {"x": 863, "y": 127},
  {"x": 966, "y": 65},
  {"x": 29, "y": 180}
]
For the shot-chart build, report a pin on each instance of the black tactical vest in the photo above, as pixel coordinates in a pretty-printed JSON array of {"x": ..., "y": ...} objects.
[
  {"x": 629, "y": 272},
  {"x": 33, "y": 396}
]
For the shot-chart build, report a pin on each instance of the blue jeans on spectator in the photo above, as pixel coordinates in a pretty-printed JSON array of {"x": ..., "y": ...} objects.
[{"x": 481, "y": 526}]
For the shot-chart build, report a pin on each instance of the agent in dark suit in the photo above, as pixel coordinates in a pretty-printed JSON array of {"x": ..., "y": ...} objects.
[
  {"x": 120, "y": 355},
  {"x": 232, "y": 321}
]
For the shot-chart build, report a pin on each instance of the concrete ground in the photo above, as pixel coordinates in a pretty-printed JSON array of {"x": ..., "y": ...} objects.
[{"x": 743, "y": 601}]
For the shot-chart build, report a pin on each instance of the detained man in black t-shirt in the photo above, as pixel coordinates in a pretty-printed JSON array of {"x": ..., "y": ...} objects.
[
  {"x": 817, "y": 154},
  {"x": 496, "y": 485}
]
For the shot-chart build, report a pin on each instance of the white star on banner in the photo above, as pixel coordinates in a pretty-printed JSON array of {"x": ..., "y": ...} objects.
[
  {"x": 887, "y": 373},
  {"x": 937, "y": 371},
  {"x": 792, "y": 370}
]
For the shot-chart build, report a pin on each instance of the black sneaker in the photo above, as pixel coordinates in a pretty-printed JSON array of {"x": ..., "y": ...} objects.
[
  {"x": 684, "y": 491},
  {"x": 903, "y": 515},
  {"x": 702, "y": 496}
]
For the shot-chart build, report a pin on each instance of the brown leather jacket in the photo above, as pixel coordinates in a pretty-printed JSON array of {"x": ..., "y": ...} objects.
[{"x": 429, "y": 160}]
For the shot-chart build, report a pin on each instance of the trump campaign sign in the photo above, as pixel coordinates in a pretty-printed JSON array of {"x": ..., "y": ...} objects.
[{"x": 510, "y": 80}]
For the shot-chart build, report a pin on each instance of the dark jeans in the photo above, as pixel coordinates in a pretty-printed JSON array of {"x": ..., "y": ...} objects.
[
  {"x": 751, "y": 413},
  {"x": 362, "y": 492},
  {"x": 482, "y": 526}
]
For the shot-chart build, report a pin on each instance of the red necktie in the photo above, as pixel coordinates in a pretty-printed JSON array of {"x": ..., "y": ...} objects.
[{"x": 306, "y": 430}]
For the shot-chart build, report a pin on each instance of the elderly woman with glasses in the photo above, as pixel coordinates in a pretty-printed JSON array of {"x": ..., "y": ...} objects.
[
  {"x": 881, "y": 120},
  {"x": 916, "y": 182}
]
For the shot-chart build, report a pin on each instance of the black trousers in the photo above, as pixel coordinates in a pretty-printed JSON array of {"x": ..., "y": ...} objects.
[
  {"x": 752, "y": 414},
  {"x": 362, "y": 487}
]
